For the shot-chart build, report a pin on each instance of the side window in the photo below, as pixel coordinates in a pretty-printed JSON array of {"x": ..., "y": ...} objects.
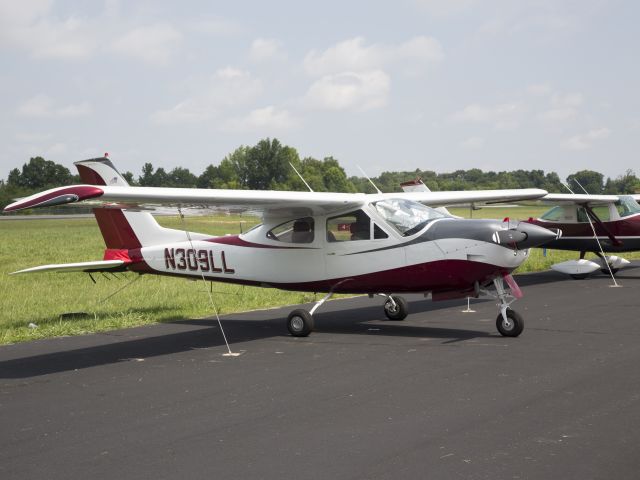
[
  {"x": 378, "y": 232},
  {"x": 293, "y": 231},
  {"x": 602, "y": 212},
  {"x": 582, "y": 215},
  {"x": 352, "y": 226},
  {"x": 553, "y": 215}
]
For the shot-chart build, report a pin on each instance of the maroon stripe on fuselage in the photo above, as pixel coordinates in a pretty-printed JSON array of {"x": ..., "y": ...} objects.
[
  {"x": 236, "y": 241},
  {"x": 629, "y": 227},
  {"x": 441, "y": 276}
]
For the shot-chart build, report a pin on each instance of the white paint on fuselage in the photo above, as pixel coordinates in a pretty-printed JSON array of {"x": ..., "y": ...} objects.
[{"x": 320, "y": 259}]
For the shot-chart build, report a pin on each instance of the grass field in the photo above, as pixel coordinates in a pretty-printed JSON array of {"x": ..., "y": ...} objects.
[{"x": 41, "y": 299}]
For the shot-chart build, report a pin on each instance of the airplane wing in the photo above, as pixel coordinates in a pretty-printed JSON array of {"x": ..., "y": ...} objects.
[
  {"x": 579, "y": 198},
  {"x": 444, "y": 198},
  {"x": 267, "y": 202},
  {"x": 97, "y": 266}
]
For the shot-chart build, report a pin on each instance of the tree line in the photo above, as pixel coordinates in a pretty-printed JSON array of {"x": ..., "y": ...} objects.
[{"x": 268, "y": 166}]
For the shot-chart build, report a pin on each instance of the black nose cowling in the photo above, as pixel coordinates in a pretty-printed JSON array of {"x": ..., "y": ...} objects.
[{"x": 525, "y": 235}]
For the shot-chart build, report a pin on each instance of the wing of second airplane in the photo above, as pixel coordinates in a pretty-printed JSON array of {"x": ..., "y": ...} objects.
[
  {"x": 580, "y": 198},
  {"x": 259, "y": 201}
]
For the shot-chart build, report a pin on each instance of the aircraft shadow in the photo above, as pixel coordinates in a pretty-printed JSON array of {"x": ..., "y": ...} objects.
[{"x": 347, "y": 321}]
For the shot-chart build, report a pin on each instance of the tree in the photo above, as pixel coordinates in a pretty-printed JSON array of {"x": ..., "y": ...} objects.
[
  {"x": 591, "y": 181},
  {"x": 267, "y": 165},
  {"x": 181, "y": 177},
  {"x": 627, "y": 183},
  {"x": 128, "y": 176},
  {"x": 40, "y": 173},
  {"x": 146, "y": 179}
]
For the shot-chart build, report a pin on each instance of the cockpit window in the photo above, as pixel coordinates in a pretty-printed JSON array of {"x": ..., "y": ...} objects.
[
  {"x": 406, "y": 216},
  {"x": 627, "y": 206},
  {"x": 553, "y": 215},
  {"x": 351, "y": 226},
  {"x": 293, "y": 231}
]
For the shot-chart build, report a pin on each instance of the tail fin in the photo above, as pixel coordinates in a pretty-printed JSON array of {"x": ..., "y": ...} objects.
[{"x": 124, "y": 228}]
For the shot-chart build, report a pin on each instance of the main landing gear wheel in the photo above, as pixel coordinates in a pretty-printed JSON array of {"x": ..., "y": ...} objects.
[
  {"x": 396, "y": 308},
  {"x": 606, "y": 271},
  {"x": 579, "y": 276},
  {"x": 512, "y": 326},
  {"x": 300, "y": 323}
]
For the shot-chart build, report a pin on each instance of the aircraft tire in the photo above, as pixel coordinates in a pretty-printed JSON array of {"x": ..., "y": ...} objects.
[
  {"x": 300, "y": 323},
  {"x": 606, "y": 271},
  {"x": 514, "y": 327},
  {"x": 580, "y": 276},
  {"x": 399, "y": 312}
]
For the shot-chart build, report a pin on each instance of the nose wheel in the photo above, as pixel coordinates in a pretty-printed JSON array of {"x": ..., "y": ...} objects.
[{"x": 510, "y": 324}]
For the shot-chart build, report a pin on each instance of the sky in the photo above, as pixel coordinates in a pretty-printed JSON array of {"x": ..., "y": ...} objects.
[{"x": 387, "y": 86}]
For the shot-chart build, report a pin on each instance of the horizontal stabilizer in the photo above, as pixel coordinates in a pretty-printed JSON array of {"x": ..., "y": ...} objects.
[{"x": 97, "y": 266}]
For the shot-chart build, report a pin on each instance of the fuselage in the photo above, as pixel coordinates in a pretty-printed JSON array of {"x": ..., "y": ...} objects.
[
  {"x": 446, "y": 256},
  {"x": 620, "y": 221}
]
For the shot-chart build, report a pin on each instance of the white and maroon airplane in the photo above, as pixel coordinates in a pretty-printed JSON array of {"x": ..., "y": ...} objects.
[
  {"x": 589, "y": 223},
  {"x": 376, "y": 244},
  {"x": 592, "y": 223}
]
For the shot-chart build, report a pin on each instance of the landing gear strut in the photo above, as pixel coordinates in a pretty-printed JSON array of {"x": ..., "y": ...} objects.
[
  {"x": 509, "y": 323},
  {"x": 300, "y": 322}
]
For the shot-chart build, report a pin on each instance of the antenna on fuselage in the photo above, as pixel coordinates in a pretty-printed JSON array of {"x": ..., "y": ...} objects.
[
  {"x": 370, "y": 181},
  {"x": 301, "y": 178}
]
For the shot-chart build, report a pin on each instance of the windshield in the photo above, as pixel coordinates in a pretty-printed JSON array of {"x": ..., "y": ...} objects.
[
  {"x": 406, "y": 216},
  {"x": 627, "y": 206}
]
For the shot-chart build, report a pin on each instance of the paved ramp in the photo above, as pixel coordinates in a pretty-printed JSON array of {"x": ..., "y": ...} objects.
[{"x": 439, "y": 396}]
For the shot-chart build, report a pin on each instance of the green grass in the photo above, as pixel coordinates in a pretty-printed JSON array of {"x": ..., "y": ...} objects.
[{"x": 41, "y": 299}]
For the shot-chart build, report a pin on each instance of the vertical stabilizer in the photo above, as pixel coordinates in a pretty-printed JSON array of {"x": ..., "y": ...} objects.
[{"x": 124, "y": 228}]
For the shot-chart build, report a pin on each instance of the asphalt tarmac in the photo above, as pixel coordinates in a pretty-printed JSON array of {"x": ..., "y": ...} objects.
[{"x": 440, "y": 395}]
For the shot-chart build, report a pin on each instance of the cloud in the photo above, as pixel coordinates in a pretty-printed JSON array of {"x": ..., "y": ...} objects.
[
  {"x": 27, "y": 26},
  {"x": 217, "y": 26},
  {"x": 42, "y": 106},
  {"x": 448, "y": 8},
  {"x": 585, "y": 141},
  {"x": 564, "y": 109},
  {"x": 227, "y": 88},
  {"x": 506, "y": 116},
  {"x": 263, "y": 119},
  {"x": 539, "y": 89},
  {"x": 265, "y": 49},
  {"x": 354, "y": 55},
  {"x": 153, "y": 44},
  {"x": 350, "y": 91},
  {"x": 473, "y": 143}
]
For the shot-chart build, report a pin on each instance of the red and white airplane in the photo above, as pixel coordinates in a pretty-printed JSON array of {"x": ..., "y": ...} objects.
[
  {"x": 592, "y": 223},
  {"x": 589, "y": 223},
  {"x": 376, "y": 244}
]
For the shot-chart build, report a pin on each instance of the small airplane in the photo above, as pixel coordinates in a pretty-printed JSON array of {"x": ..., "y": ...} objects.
[
  {"x": 589, "y": 223},
  {"x": 375, "y": 244},
  {"x": 592, "y": 223}
]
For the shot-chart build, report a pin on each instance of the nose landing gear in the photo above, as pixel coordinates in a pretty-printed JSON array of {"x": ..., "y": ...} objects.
[{"x": 509, "y": 322}]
